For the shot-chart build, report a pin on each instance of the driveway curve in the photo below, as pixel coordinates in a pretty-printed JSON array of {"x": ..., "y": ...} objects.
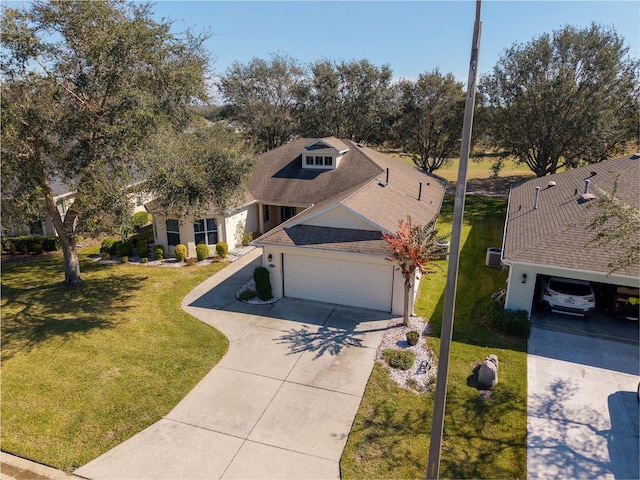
[{"x": 280, "y": 404}]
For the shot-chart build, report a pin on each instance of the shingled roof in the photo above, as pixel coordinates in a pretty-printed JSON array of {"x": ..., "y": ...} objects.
[
  {"x": 554, "y": 232},
  {"x": 279, "y": 177},
  {"x": 379, "y": 199}
]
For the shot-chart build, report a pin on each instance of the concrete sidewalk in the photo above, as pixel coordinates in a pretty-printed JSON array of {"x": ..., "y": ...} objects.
[{"x": 280, "y": 404}]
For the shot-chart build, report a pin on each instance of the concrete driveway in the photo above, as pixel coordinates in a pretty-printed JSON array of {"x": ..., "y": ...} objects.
[
  {"x": 582, "y": 406},
  {"x": 280, "y": 404}
]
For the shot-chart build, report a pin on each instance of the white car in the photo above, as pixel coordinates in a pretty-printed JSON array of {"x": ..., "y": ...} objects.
[{"x": 566, "y": 295}]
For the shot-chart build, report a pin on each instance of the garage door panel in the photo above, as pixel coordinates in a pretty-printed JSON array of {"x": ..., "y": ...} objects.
[{"x": 344, "y": 282}]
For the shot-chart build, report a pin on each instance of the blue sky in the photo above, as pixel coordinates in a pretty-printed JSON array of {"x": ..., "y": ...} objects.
[{"x": 411, "y": 37}]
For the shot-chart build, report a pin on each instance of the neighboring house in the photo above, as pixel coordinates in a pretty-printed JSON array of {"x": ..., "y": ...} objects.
[
  {"x": 545, "y": 232},
  {"x": 323, "y": 203},
  {"x": 63, "y": 197}
]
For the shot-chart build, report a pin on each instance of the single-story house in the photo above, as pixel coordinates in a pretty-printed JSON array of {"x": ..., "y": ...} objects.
[
  {"x": 63, "y": 197},
  {"x": 546, "y": 230},
  {"x": 323, "y": 204}
]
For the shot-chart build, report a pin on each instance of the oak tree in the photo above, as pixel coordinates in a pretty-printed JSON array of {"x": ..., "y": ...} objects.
[
  {"x": 86, "y": 87},
  {"x": 430, "y": 118},
  {"x": 564, "y": 99}
]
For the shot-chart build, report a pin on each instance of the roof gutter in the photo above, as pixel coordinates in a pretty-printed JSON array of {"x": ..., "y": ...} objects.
[{"x": 504, "y": 232}]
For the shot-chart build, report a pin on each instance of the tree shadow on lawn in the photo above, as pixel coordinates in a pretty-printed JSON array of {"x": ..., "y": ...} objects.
[
  {"x": 36, "y": 312},
  {"x": 479, "y": 453}
]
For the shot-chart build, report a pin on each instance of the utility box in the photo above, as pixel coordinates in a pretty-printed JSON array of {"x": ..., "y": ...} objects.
[
  {"x": 488, "y": 373},
  {"x": 443, "y": 249},
  {"x": 494, "y": 257}
]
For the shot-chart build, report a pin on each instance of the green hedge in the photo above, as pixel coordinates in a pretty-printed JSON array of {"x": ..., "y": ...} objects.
[
  {"x": 222, "y": 249},
  {"x": 181, "y": 253},
  {"x": 158, "y": 252},
  {"x": 202, "y": 252},
  {"x": 27, "y": 244},
  {"x": 263, "y": 283},
  {"x": 142, "y": 247},
  {"x": 512, "y": 322}
]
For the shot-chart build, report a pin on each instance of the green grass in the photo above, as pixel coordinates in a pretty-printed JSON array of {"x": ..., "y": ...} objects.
[
  {"x": 84, "y": 369},
  {"x": 478, "y": 167},
  {"x": 482, "y": 439}
]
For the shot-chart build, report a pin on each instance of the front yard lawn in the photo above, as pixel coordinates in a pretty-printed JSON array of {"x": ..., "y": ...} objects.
[
  {"x": 84, "y": 369},
  {"x": 482, "y": 438}
]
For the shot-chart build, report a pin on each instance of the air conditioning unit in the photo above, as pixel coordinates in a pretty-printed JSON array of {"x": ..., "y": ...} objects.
[{"x": 493, "y": 257}]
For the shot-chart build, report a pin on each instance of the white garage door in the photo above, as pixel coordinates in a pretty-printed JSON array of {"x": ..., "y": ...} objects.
[{"x": 352, "y": 283}]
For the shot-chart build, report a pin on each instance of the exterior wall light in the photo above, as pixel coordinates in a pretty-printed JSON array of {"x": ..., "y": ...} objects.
[
  {"x": 524, "y": 278},
  {"x": 269, "y": 258}
]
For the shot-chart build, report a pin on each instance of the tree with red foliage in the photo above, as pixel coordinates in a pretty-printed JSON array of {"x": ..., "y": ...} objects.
[{"x": 414, "y": 247}]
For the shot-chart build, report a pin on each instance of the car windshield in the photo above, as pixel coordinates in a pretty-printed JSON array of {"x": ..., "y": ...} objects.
[{"x": 569, "y": 288}]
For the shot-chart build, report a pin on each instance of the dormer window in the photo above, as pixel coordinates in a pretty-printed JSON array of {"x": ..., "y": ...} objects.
[{"x": 323, "y": 155}]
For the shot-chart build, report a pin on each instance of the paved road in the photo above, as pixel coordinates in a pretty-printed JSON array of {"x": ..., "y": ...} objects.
[
  {"x": 582, "y": 406},
  {"x": 281, "y": 402}
]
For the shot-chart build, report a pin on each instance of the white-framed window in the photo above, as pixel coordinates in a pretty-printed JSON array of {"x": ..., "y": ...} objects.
[
  {"x": 328, "y": 161},
  {"x": 319, "y": 160},
  {"x": 206, "y": 231},
  {"x": 309, "y": 160},
  {"x": 173, "y": 232},
  {"x": 287, "y": 212},
  {"x": 265, "y": 213}
]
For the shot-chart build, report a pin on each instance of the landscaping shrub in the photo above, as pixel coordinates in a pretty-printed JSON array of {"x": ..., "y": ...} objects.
[
  {"x": 181, "y": 252},
  {"x": 124, "y": 259},
  {"x": 125, "y": 249},
  {"x": 512, "y": 322},
  {"x": 158, "y": 252},
  {"x": 38, "y": 248},
  {"x": 108, "y": 246},
  {"x": 222, "y": 249},
  {"x": 247, "y": 238},
  {"x": 50, "y": 243},
  {"x": 401, "y": 359},
  {"x": 202, "y": 252},
  {"x": 143, "y": 248},
  {"x": 144, "y": 260},
  {"x": 27, "y": 243},
  {"x": 247, "y": 295},
  {"x": 105, "y": 256},
  {"x": 263, "y": 283}
]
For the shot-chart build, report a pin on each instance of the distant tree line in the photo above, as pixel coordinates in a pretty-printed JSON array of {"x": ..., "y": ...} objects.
[{"x": 561, "y": 100}]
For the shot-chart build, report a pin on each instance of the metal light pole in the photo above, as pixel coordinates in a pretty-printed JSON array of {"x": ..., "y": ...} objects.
[{"x": 435, "y": 446}]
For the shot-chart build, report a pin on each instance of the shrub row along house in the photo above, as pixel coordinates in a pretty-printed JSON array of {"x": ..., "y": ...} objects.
[{"x": 323, "y": 204}]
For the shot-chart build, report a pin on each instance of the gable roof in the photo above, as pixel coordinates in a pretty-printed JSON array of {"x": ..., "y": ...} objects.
[
  {"x": 555, "y": 232},
  {"x": 380, "y": 203}
]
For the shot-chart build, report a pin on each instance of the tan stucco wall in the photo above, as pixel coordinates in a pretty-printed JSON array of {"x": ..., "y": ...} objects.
[{"x": 339, "y": 217}]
